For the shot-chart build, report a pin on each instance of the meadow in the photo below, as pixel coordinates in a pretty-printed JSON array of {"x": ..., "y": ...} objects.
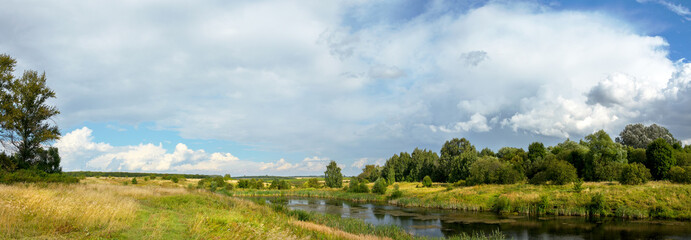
[{"x": 114, "y": 208}]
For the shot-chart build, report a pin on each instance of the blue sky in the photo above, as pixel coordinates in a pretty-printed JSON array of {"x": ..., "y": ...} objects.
[{"x": 283, "y": 87}]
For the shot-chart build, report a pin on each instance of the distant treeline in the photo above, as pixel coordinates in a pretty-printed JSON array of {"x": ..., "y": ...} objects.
[{"x": 134, "y": 174}]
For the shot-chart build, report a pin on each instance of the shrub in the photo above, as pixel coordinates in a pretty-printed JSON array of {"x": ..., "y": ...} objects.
[
  {"x": 134, "y": 180},
  {"x": 313, "y": 183},
  {"x": 379, "y": 186},
  {"x": 680, "y": 174},
  {"x": 634, "y": 174},
  {"x": 557, "y": 172},
  {"x": 358, "y": 187},
  {"x": 502, "y": 205},
  {"x": 396, "y": 192},
  {"x": 212, "y": 183},
  {"x": 578, "y": 185},
  {"x": 174, "y": 179},
  {"x": 490, "y": 170},
  {"x": 33, "y": 175},
  {"x": 427, "y": 181},
  {"x": 542, "y": 204},
  {"x": 597, "y": 205}
]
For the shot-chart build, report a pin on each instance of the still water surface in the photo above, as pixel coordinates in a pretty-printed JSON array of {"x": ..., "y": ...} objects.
[{"x": 444, "y": 223}]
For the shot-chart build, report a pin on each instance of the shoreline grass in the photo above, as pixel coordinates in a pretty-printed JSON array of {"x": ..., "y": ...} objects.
[{"x": 658, "y": 199}]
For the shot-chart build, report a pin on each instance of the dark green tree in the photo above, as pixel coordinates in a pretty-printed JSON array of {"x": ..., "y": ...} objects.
[
  {"x": 558, "y": 172},
  {"x": 25, "y": 116},
  {"x": 370, "y": 172},
  {"x": 634, "y": 174},
  {"x": 659, "y": 158},
  {"x": 379, "y": 186},
  {"x": 574, "y": 153},
  {"x": 536, "y": 150},
  {"x": 487, "y": 152},
  {"x": 605, "y": 158},
  {"x": 456, "y": 157},
  {"x": 333, "y": 177}
]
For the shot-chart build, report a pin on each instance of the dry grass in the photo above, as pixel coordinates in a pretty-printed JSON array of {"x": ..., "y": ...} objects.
[
  {"x": 101, "y": 209},
  {"x": 334, "y": 232}
]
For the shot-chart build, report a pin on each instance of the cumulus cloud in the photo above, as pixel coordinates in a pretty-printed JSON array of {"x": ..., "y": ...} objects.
[{"x": 332, "y": 79}]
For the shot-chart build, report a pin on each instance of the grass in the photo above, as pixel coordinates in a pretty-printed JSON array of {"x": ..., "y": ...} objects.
[
  {"x": 659, "y": 199},
  {"x": 107, "y": 208}
]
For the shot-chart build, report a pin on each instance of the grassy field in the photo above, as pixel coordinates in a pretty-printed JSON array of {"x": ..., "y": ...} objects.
[
  {"x": 654, "y": 199},
  {"x": 114, "y": 208}
]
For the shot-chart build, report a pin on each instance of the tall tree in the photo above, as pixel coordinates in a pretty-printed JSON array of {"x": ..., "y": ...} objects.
[
  {"x": 639, "y": 136},
  {"x": 26, "y": 117},
  {"x": 370, "y": 172},
  {"x": 659, "y": 158},
  {"x": 333, "y": 177},
  {"x": 456, "y": 157},
  {"x": 606, "y": 158}
]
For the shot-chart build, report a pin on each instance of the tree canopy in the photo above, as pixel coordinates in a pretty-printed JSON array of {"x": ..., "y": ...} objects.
[
  {"x": 639, "y": 136},
  {"x": 333, "y": 177}
]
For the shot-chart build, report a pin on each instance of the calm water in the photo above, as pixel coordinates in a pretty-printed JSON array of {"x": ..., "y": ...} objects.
[{"x": 441, "y": 223}]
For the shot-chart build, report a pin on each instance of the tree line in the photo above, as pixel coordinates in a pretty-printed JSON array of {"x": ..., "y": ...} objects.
[{"x": 640, "y": 153}]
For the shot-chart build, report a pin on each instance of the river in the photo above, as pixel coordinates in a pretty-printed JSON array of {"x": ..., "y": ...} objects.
[{"x": 444, "y": 223}]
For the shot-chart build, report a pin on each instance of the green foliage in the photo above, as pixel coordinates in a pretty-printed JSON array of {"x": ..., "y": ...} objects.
[
  {"x": 456, "y": 157},
  {"x": 659, "y": 158},
  {"x": 536, "y": 150},
  {"x": 556, "y": 172},
  {"x": 598, "y": 205},
  {"x": 226, "y": 177},
  {"x": 333, "y": 177},
  {"x": 640, "y": 136},
  {"x": 34, "y": 175},
  {"x": 134, "y": 180},
  {"x": 636, "y": 155},
  {"x": 396, "y": 192},
  {"x": 634, "y": 174},
  {"x": 517, "y": 157},
  {"x": 356, "y": 186},
  {"x": 501, "y": 205},
  {"x": 491, "y": 170},
  {"x": 391, "y": 178},
  {"x": 379, "y": 186},
  {"x": 486, "y": 152},
  {"x": 174, "y": 179},
  {"x": 427, "y": 181},
  {"x": 578, "y": 185},
  {"x": 574, "y": 153},
  {"x": 279, "y": 184},
  {"x": 605, "y": 159},
  {"x": 212, "y": 184},
  {"x": 370, "y": 172},
  {"x": 680, "y": 174}
]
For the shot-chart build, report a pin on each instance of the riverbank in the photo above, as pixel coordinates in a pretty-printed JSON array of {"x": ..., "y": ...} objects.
[
  {"x": 107, "y": 208},
  {"x": 651, "y": 200}
]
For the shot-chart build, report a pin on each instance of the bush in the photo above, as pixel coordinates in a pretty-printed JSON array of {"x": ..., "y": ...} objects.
[
  {"x": 557, "y": 172},
  {"x": 578, "y": 185},
  {"x": 396, "y": 192},
  {"x": 134, "y": 180},
  {"x": 634, "y": 174},
  {"x": 313, "y": 183},
  {"x": 680, "y": 174},
  {"x": 491, "y": 170},
  {"x": 597, "y": 205},
  {"x": 279, "y": 184},
  {"x": 379, "y": 186},
  {"x": 212, "y": 183},
  {"x": 427, "y": 181},
  {"x": 502, "y": 205},
  {"x": 358, "y": 187}
]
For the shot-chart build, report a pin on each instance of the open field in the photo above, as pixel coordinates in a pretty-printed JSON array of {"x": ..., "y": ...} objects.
[
  {"x": 654, "y": 199},
  {"x": 107, "y": 208}
]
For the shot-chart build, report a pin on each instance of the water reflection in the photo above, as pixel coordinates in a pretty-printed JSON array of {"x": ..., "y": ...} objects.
[{"x": 443, "y": 223}]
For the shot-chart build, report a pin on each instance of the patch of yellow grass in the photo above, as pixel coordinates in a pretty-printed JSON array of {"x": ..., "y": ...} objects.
[
  {"x": 33, "y": 210},
  {"x": 334, "y": 232}
]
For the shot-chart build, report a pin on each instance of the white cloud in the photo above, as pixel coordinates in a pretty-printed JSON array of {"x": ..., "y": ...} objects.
[
  {"x": 359, "y": 163},
  {"x": 334, "y": 79},
  {"x": 676, "y": 8}
]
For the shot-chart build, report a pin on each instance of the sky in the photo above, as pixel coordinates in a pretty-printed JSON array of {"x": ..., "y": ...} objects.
[{"x": 283, "y": 87}]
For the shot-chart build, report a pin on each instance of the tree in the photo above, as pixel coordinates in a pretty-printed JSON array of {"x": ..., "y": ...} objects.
[
  {"x": 491, "y": 170},
  {"x": 370, "y": 172},
  {"x": 605, "y": 158},
  {"x": 639, "y": 136},
  {"x": 333, "y": 177},
  {"x": 634, "y": 174},
  {"x": 487, "y": 152},
  {"x": 574, "y": 153},
  {"x": 456, "y": 157},
  {"x": 536, "y": 150},
  {"x": 659, "y": 158},
  {"x": 391, "y": 176},
  {"x": 680, "y": 174},
  {"x": 25, "y": 116}
]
